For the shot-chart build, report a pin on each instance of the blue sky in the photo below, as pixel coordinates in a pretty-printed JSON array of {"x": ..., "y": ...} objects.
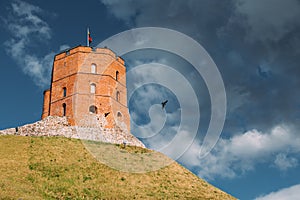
[{"x": 255, "y": 45}]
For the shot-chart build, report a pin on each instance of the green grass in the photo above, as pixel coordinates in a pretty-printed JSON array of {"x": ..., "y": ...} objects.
[{"x": 61, "y": 168}]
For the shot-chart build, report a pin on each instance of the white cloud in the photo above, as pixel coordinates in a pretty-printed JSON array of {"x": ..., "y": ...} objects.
[
  {"x": 169, "y": 132},
  {"x": 291, "y": 193},
  {"x": 38, "y": 68},
  {"x": 25, "y": 20},
  {"x": 64, "y": 47},
  {"x": 129, "y": 8},
  {"x": 242, "y": 152},
  {"x": 27, "y": 28},
  {"x": 169, "y": 78},
  {"x": 283, "y": 162}
]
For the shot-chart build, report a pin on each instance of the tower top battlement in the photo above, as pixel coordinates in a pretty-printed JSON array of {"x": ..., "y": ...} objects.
[{"x": 86, "y": 49}]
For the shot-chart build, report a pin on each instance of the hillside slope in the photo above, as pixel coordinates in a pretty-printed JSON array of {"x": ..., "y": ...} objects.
[{"x": 62, "y": 168}]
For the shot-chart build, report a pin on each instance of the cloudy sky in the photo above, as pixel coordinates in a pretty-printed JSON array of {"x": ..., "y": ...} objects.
[{"x": 254, "y": 44}]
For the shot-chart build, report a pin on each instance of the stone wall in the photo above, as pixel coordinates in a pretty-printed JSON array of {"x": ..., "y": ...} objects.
[{"x": 91, "y": 130}]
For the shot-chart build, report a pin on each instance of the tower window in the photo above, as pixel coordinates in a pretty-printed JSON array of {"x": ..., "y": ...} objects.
[
  {"x": 118, "y": 96},
  {"x": 93, "y": 68},
  {"x": 119, "y": 115},
  {"x": 64, "y": 109},
  {"x": 64, "y": 92},
  {"x": 93, "y": 109},
  {"x": 93, "y": 88},
  {"x": 117, "y": 75}
]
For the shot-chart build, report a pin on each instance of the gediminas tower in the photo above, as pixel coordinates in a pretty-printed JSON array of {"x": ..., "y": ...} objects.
[{"x": 88, "y": 82}]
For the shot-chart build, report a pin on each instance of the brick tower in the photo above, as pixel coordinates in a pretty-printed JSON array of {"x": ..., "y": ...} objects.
[{"x": 88, "y": 82}]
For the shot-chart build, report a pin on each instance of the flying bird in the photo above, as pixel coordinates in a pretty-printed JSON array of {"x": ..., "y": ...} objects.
[
  {"x": 163, "y": 104},
  {"x": 106, "y": 114}
]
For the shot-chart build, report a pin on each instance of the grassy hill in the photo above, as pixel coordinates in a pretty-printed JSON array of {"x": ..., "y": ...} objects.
[{"x": 62, "y": 168}]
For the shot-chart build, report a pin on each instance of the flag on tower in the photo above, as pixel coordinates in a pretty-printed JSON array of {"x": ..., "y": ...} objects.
[{"x": 89, "y": 38}]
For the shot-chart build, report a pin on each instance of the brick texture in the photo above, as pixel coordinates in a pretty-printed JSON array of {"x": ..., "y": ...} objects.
[{"x": 83, "y": 78}]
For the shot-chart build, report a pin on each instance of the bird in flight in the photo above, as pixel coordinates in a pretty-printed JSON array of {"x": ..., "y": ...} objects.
[
  {"x": 163, "y": 104},
  {"x": 106, "y": 114}
]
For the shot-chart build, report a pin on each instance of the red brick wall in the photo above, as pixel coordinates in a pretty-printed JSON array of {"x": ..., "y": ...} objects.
[
  {"x": 72, "y": 70},
  {"x": 46, "y": 104}
]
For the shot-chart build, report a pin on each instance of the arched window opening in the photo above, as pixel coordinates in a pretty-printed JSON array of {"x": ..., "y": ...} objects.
[
  {"x": 93, "y": 68},
  {"x": 119, "y": 115},
  {"x": 93, "y": 109},
  {"x": 64, "y": 109},
  {"x": 64, "y": 92},
  {"x": 93, "y": 88},
  {"x": 117, "y": 75},
  {"x": 118, "y": 96}
]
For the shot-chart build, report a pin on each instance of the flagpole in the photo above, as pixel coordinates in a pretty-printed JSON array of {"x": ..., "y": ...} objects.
[{"x": 87, "y": 37}]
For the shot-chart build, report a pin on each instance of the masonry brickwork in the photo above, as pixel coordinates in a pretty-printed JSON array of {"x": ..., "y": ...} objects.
[
  {"x": 87, "y": 99},
  {"x": 87, "y": 81}
]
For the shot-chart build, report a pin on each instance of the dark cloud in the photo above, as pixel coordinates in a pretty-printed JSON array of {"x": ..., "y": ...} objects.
[
  {"x": 254, "y": 44},
  {"x": 269, "y": 19}
]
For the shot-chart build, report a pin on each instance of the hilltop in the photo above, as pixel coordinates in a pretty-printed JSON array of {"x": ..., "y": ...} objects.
[{"x": 62, "y": 168}]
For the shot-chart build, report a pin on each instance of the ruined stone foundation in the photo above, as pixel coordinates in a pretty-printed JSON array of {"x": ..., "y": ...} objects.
[{"x": 59, "y": 126}]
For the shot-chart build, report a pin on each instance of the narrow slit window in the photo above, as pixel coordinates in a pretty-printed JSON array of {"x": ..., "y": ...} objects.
[
  {"x": 64, "y": 109},
  {"x": 93, "y": 68},
  {"x": 64, "y": 92},
  {"x": 93, "y": 88},
  {"x": 117, "y": 75},
  {"x": 118, "y": 96}
]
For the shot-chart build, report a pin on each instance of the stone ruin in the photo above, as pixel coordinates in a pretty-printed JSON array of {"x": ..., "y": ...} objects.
[{"x": 90, "y": 128}]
